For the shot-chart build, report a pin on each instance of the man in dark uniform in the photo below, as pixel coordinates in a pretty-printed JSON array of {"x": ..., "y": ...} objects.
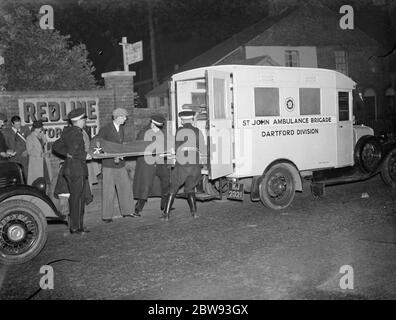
[
  {"x": 145, "y": 172},
  {"x": 190, "y": 144},
  {"x": 75, "y": 171}
]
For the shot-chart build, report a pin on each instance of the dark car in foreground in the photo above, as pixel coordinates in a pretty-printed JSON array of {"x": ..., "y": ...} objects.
[{"x": 24, "y": 211}]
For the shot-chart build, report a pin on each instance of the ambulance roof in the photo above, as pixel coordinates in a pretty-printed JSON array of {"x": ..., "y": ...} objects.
[{"x": 341, "y": 80}]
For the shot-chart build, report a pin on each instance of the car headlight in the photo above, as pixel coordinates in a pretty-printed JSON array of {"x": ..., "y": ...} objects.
[{"x": 40, "y": 184}]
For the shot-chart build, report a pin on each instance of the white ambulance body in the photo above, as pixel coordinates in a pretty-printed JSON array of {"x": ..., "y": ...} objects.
[{"x": 255, "y": 117}]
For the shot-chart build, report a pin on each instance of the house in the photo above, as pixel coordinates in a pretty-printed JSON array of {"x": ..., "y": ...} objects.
[{"x": 307, "y": 35}]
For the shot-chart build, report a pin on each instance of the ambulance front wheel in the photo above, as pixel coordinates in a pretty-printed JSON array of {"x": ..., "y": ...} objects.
[
  {"x": 368, "y": 153},
  {"x": 277, "y": 188}
]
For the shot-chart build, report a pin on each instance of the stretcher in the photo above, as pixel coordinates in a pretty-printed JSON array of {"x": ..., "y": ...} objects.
[{"x": 103, "y": 149}]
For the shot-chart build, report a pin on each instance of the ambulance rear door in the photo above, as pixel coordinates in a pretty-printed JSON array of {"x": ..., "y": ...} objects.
[
  {"x": 344, "y": 129},
  {"x": 220, "y": 123}
]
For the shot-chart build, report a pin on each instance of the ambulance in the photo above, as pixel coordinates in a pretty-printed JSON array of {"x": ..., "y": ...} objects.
[{"x": 267, "y": 128}]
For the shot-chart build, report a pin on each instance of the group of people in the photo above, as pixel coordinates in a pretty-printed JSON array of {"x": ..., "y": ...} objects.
[
  {"x": 27, "y": 147},
  {"x": 116, "y": 181}
]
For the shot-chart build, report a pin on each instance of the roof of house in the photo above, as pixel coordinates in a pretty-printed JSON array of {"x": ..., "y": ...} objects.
[
  {"x": 232, "y": 45},
  {"x": 258, "y": 61},
  {"x": 218, "y": 52},
  {"x": 316, "y": 25},
  {"x": 159, "y": 90},
  {"x": 314, "y": 21}
]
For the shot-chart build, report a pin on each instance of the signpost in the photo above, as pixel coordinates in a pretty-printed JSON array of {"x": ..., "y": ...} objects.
[{"x": 132, "y": 52}]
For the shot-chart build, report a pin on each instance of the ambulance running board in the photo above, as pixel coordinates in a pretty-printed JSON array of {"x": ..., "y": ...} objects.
[
  {"x": 340, "y": 175},
  {"x": 200, "y": 196},
  {"x": 331, "y": 177}
]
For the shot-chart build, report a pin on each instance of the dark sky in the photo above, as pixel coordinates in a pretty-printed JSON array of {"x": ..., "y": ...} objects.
[{"x": 183, "y": 28}]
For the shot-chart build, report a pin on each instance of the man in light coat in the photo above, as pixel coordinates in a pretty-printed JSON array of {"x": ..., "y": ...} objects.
[{"x": 35, "y": 148}]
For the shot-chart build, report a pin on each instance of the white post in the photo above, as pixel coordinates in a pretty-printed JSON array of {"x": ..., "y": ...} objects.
[{"x": 123, "y": 44}]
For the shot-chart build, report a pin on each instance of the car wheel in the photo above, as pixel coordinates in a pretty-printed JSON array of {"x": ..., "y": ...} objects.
[
  {"x": 277, "y": 188},
  {"x": 368, "y": 152},
  {"x": 23, "y": 231},
  {"x": 388, "y": 169}
]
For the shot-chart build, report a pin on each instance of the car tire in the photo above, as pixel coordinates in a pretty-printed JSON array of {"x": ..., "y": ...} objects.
[
  {"x": 277, "y": 188},
  {"x": 388, "y": 169},
  {"x": 368, "y": 153},
  {"x": 23, "y": 231}
]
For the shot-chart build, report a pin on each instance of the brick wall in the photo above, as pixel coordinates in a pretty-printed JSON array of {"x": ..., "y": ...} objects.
[
  {"x": 360, "y": 69},
  {"x": 9, "y": 99},
  {"x": 118, "y": 93},
  {"x": 121, "y": 84}
]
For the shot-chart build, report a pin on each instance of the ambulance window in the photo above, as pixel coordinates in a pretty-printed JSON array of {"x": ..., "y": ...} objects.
[
  {"x": 219, "y": 99},
  {"x": 343, "y": 106},
  {"x": 199, "y": 99},
  {"x": 201, "y": 85},
  {"x": 309, "y": 101},
  {"x": 266, "y": 101}
]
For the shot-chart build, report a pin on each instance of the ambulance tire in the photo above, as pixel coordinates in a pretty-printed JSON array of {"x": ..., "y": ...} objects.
[
  {"x": 277, "y": 188},
  {"x": 388, "y": 170},
  {"x": 368, "y": 153}
]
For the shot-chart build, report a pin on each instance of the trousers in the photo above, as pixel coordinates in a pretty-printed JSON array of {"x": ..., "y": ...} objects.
[
  {"x": 116, "y": 181},
  {"x": 187, "y": 175},
  {"x": 77, "y": 186}
]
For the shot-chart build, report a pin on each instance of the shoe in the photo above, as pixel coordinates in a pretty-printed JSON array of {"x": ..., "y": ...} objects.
[
  {"x": 74, "y": 231},
  {"x": 164, "y": 217},
  {"x": 84, "y": 230},
  {"x": 129, "y": 215},
  {"x": 107, "y": 220},
  {"x": 137, "y": 214}
]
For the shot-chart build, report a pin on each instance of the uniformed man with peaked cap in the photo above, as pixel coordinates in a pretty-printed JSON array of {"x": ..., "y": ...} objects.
[
  {"x": 146, "y": 172},
  {"x": 71, "y": 146},
  {"x": 190, "y": 144}
]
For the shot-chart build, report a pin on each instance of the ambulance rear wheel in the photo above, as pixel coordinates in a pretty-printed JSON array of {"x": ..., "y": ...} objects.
[{"x": 277, "y": 188}]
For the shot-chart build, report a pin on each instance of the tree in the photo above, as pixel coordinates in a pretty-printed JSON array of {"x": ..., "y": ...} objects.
[{"x": 37, "y": 59}]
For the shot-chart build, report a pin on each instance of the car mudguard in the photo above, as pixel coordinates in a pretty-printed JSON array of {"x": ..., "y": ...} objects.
[
  {"x": 387, "y": 147},
  {"x": 20, "y": 190}
]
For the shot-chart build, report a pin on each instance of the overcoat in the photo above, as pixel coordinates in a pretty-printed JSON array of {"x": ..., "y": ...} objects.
[
  {"x": 36, "y": 159},
  {"x": 17, "y": 142},
  {"x": 71, "y": 146},
  {"x": 145, "y": 183},
  {"x": 144, "y": 172},
  {"x": 3, "y": 143}
]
